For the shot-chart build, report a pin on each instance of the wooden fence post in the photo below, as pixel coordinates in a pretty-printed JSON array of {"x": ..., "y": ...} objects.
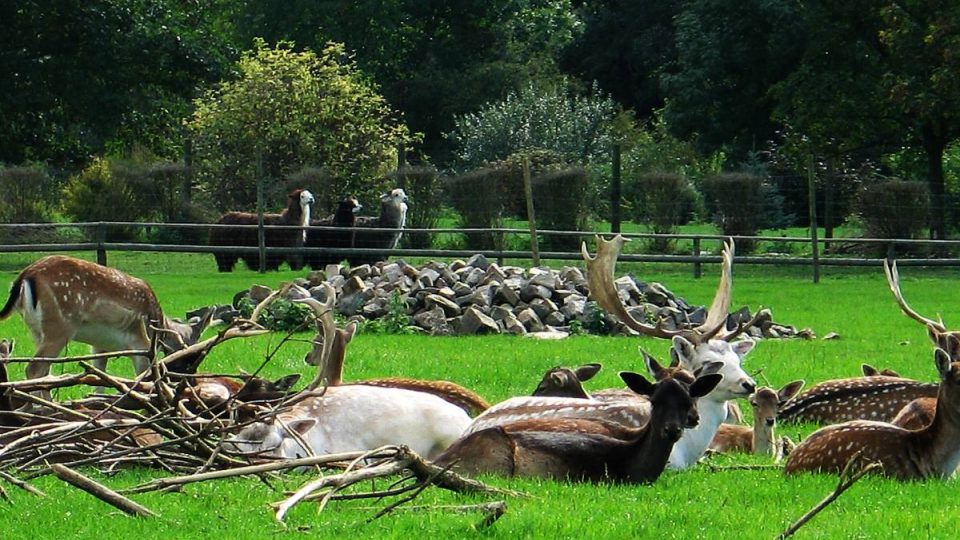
[
  {"x": 697, "y": 265},
  {"x": 528, "y": 191},
  {"x": 615, "y": 190},
  {"x": 814, "y": 245},
  {"x": 101, "y": 238},
  {"x": 261, "y": 234}
]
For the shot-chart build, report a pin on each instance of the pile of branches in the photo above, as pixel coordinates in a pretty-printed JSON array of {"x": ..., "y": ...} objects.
[{"x": 163, "y": 420}]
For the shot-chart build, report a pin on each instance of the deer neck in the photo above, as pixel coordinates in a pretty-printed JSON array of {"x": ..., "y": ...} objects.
[
  {"x": 763, "y": 437},
  {"x": 695, "y": 441},
  {"x": 943, "y": 434}
]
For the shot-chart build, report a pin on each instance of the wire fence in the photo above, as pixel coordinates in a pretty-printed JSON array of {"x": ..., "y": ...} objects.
[{"x": 693, "y": 249}]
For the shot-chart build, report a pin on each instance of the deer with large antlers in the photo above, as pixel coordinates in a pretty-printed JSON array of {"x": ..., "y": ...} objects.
[
  {"x": 62, "y": 298},
  {"x": 584, "y": 438},
  {"x": 930, "y": 452},
  {"x": 352, "y": 416},
  {"x": 692, "y": 348},
  {"x": 760, "y": 438}
]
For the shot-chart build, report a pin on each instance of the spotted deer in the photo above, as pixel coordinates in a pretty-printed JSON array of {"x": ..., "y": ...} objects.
[
  {"x": 760, "y": 438},
  {"x": 62, "y": 299},
  {"x": 691, "y": 348},
  {"x": 584, "y": 438},
  {"x": 870, "y": 371},
  {"x": 930, "y": 452},
  {"x": 350, "y": 417},
  {"x": 330, "y": 358}
]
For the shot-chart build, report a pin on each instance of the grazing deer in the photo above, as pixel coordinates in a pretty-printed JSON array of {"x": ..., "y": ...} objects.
[
  {"x": 330, "y": 357},
  {"x": 759, "y": 439},
  {"x": 353, "y": 416},
  {"x": 62, "y": 298},
  {"x": 930, "y": 452},
  {"x": 585, "y": 439},
  {"x": 691, "y": 348}
]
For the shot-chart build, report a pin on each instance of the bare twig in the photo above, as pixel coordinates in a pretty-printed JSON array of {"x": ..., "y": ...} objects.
[
  {"x": 852, "y": 472},
  {"x": 101, "y": 492},
  {"x": 21, "y": 484}
]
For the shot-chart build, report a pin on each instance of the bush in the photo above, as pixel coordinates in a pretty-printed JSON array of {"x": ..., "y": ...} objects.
[
  {"x": 27, "y": 191},
  {"x": 475, "y": 197},
  {"x": 894, "y": 209},
  {"x": 561, "y": 203},
  {"x": 736, "y": 201},
  {"x": 97, "y": 194},
  {"x": 662, "y": 201},
  {"x": 425, "y": 190}
]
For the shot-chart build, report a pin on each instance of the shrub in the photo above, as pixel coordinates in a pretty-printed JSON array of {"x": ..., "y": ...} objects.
[
  {"x": 424, "y": 188},
  {"x": 736, "y": 200},
  {"x": 97, "y": 194},
  {"x": 662, "y": 201},
  {"x": 27, "y": 191},
  {"x": 475, "y": 197},
  {"x": 561, "y": 203},
  {"x": 894, "y": 209}
]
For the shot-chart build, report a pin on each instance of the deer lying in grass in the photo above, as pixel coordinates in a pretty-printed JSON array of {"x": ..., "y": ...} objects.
[
  {"x": 584, "y": 439},
  {"x": 691, "y": 348},
  {"x": 870, "y": 371},
  {"x": 330, "y": 362},
  {"x": 350, "y": 417},
  {"x": 62, "y": 298},
  {"x": 931, "y": 452},
  {"x": 759, "y": 439}
]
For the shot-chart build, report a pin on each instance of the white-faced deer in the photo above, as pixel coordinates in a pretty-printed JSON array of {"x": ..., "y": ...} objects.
[
  {"x": 585, "y": 439},
  {"x": 931, "y": 452},
  {"x": 62, "y": 298},
  {"x": 351, "y": 417},
  {"x": 330, "y": 357},
  {"x": 692, "y": 348},
  {"x": 759, "y": 439}
]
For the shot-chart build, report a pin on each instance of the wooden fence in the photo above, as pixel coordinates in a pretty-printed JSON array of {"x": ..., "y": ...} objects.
[{"x": 701, "y": 246}]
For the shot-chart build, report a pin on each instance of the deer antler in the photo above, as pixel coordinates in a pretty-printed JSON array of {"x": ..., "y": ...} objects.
[
  {"x": 600, "y": 278},
  {"x": 321, "y": 355},
  {"x": 893, "y": 280}
]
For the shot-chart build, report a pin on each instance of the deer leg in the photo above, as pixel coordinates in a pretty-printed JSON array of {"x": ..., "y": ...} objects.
[
  {"x": 101, "y": 364},
  {"x": 41, "y": 368}
]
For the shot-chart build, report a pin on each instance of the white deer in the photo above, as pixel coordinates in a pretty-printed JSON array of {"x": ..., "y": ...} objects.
[
  {"x": 692, "y": 348},
  {"x": 351, "y": 417},
  {"x": 62, "y": 299}
]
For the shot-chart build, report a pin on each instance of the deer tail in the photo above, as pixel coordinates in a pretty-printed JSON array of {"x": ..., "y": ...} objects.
[{"x": 15, "y": 289}]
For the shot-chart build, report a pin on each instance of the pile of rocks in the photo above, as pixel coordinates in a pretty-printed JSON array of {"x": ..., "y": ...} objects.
[{"x": 480, "y": 297}]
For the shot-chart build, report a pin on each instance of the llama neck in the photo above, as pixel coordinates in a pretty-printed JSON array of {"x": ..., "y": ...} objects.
[{"x": 304, "y": 219}]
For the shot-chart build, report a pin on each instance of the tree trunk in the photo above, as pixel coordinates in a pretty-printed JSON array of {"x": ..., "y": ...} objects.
[{"x": 934, "y": 143}]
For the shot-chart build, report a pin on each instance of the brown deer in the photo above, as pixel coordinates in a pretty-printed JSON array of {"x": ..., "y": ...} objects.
[
  {"x": 759, "y": 439},
  {"x": 870, "y": 371},
  {"x": 930, "y": 452},
  {"x": 62, "y": 298},
  {"x": 586, "y": 439},
  {"x": 691, "y": 347},
  {"x": 330, "y": 357},
  {"x": 566, "y": 382}
]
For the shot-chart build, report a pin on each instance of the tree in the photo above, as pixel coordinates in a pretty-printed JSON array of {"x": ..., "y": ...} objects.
[
  {"x": 433, "y": 59},
  {"x": 730, "y": 54},
  {"x": 82, "y": 77},
  {"x": 289, "y": 110},
  {"x": 881, "y": 74}
]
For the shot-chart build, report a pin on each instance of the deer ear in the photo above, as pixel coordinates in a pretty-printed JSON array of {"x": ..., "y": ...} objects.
[
  {"x": 743, "y": 347},
  {"x": 868, "y": 370},
  {"x": 705, "y": 384},
  {"x": 301, "y": 425},
  {"x": 942, "y": 361},
  {"x": 789, "y": 390},
  {"x": 637, "y": 383},
  {"x": 285, "y": 383},
  {"x": 587, "y": 371},
  {"x": 682, "y": 350},
  {"x": 708, "y": 368},
  {"x": 350, "y": 331},
  {"x": 653, "y": 367}
]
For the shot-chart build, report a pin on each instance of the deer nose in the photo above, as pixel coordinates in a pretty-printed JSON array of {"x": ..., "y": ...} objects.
[
  {"x": 770, "y": 420},
  {"x": 672, "y": 432},
  {"x": 749, "y": 386}
]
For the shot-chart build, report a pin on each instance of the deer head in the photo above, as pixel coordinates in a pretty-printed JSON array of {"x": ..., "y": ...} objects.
[
  {"x": 565, "y": 382},
  {"x": 330, "y": 344}
]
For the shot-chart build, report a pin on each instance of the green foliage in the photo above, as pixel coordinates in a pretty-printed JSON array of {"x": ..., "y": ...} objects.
[
  {"x": 575, "y": 127},
  {"x": 27, "y": 194},
  {"x": 396, "y": 320},
  {"x": 562, "y": 203},
  {"x": 894, "y": 209},
  {"x": 280, "y": 316},
  {"x": 99, "y": 193},
  {"x": 662, "y": 201},
  {"x": 737, "y": 202},
  {"x": 476, "y": 198},
  {"x": 291, "y": 110},
  {"x": 425, "y": 190}
]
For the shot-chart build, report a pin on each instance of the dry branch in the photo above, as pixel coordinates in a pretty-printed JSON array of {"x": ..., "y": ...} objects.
[{"x": 101, "y": 492}]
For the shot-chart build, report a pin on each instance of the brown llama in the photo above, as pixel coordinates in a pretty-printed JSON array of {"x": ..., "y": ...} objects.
[{"x": 296, "y": 213}]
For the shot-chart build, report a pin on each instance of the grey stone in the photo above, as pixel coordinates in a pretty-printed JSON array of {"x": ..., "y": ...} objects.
[
  {"x": 450, "y": 308},
  {"x": 475, "y": 322}
]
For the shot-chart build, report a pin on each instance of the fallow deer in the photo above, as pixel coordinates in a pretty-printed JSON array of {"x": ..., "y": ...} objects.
[
  {"x": 870, "y": 371},
  {"x": 62, "y": 298},
  {"x": 759, "y": 439},
  {"x": 566, "y": 382},
  {"x": 330, "y": 357},
  {"x": 931, "y": 452},
  {"x": 585, "y": 439},
  {"x": 691, "y": 348},
  {"x": 350, "y": 417}
]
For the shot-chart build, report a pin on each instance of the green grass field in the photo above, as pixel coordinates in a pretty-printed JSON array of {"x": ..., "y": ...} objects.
[{"x": 699, "y": 503}]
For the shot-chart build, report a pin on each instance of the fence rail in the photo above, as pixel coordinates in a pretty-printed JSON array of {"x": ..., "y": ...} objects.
[{"x": 697, "y": 256}]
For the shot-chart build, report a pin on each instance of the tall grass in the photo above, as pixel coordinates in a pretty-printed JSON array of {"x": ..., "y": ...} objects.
[{"x": 699, "y": 503}]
